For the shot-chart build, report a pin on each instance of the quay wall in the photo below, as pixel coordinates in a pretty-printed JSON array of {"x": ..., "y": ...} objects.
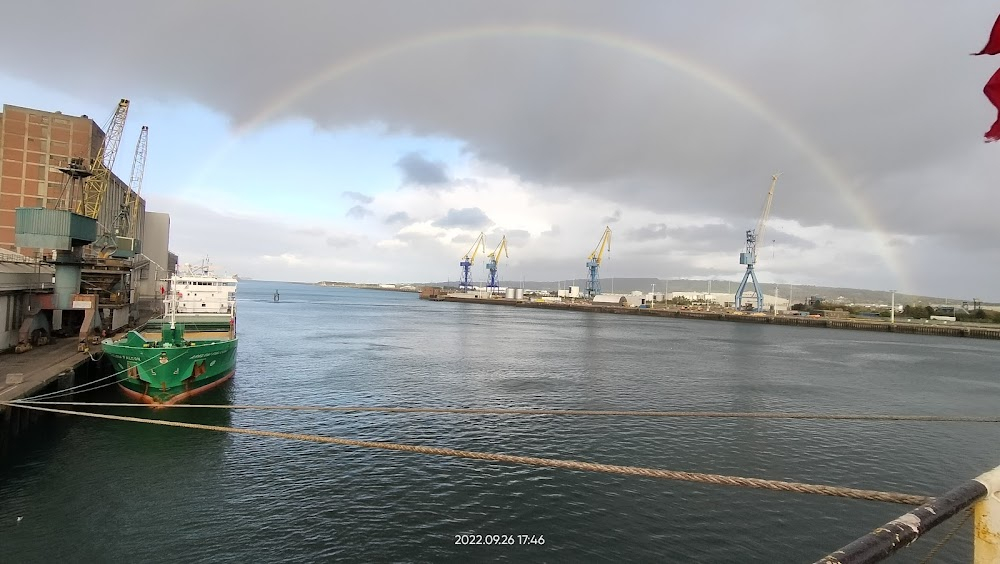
[{"x": 855, "y": 324}]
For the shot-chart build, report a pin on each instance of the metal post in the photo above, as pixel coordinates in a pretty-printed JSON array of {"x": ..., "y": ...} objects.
[
  {"x": 986, "y": 524},
  {"x": 892, "y": 308}
]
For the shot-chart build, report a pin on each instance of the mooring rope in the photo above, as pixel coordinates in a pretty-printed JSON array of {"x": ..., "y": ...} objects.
[
  {"x": 76, "y": 389},
  {"x": 718, "y": 479},
  {"x": 554, "y": 412}
]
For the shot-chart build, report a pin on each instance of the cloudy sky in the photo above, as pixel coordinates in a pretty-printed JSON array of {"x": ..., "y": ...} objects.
[{"x": 373, "y": 141}]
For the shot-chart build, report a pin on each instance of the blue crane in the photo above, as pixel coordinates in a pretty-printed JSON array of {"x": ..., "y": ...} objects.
[
  {"x": 468, "y": 260},
  {"x": 749, "y": 258},
  {"x": 594, "y": 263},
  {"x": 493, "y": 285}
]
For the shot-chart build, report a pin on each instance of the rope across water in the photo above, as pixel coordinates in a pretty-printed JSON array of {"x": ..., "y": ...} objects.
[
  {"x": 758, "y": 483},
  {"x": 551, "y": 412}
]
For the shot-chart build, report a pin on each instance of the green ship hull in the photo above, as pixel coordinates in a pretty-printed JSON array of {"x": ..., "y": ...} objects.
[{"x": 175, "y": 366}]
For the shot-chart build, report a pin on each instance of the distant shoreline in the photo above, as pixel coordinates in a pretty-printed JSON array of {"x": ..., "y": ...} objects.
[{"x": 939, "y": 329}]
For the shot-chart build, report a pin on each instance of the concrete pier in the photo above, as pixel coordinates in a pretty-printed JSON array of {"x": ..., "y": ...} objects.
[
  {"x": 54, "y": 367},
  {"x": 949, "y": 330}
]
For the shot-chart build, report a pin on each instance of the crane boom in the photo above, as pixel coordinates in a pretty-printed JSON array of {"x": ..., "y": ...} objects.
[
  {"x": 605, "y": 242},
  {"x": 479, "y": 244},
  {"x": 762, "y": 222},
  {"x": 96, "y": 185},
  {"x": 495, "y": 255},
  {"x": 135, "y": 181}
]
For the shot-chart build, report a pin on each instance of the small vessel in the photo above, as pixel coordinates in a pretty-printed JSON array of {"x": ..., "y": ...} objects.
[{"x": 188, "y": 350}]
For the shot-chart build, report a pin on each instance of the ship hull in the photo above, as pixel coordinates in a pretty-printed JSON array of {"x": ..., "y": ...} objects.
[{"x": 164, "y": 375}]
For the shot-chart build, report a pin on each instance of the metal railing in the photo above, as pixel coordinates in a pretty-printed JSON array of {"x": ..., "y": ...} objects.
[{"x": 982, "y": 494}]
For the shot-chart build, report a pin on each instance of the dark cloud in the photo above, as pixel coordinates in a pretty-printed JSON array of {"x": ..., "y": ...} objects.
[
  {"x": 471, "y": 218},
  {"x": 358, "y": 212},
  {"x": 359, "y": 197},
  {"x": 398, "y": 217},
  {"x": 873, "y": 111},
  {"x": 418, "y": 170}
]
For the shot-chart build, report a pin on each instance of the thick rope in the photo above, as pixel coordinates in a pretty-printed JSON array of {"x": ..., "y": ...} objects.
[
  {"x": 76, "y": 389},
  {"x": 718, "y": 479},
  {"x": 515, "y": 411}
]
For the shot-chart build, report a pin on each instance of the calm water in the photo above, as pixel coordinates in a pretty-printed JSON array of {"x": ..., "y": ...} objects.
[{"x": 100, "y": 491}]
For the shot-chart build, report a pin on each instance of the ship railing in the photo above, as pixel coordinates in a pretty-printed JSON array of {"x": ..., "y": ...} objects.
[{"x": 980, "y": 495}]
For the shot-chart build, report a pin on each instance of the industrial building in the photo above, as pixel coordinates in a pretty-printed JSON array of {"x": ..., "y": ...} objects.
[
  {"x": 727, "y": 300},
  {"x": 34, "y": 145},
  {"x": 48, "y": 164}
]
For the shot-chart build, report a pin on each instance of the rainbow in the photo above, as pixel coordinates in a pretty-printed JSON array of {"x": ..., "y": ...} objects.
[{"x": 737, "y": 93}]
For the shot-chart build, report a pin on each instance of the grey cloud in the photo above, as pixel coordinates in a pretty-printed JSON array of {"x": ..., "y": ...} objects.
[
  {"x": 359, "y": 197},
  {"x": 649, "y": 232},
  {"x": 711, "y": 237},
  {"x": 341, "y": 241},
  {"x": 470, "y": 218},
  {"x": 613, "y": 218},
  {"x": 358, "y": 212},
  {"x": 517, "y": 237},
  {"x": 883, "y": 129},
  {"x": 418, "y": 170},
  {"x": 398, "y": 217}
]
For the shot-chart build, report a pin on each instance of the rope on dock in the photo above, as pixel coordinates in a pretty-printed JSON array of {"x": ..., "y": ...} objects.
[
  {"x": 718, "y": 479},
  {"x": 554, "y": 412},
  {"x": 76, "y": 389}
]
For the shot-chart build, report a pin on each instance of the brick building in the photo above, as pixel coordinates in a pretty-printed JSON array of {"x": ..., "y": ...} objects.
[{"x": 33, "y": 145}]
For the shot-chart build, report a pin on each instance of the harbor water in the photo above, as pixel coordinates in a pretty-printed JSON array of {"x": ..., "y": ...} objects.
[{"x": 90, "y": 490}]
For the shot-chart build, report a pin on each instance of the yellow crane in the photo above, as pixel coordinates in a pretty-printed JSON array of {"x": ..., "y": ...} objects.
[
  {"x": 96, "y": 185},
  {"x": 594, "y": 263},
  {"x": 493, "y": 259},
  {"x": 469, "y": 259}
]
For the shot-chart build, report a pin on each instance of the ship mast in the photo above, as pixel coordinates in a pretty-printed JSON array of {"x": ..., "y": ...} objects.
[{"x": 173, "y": 302}]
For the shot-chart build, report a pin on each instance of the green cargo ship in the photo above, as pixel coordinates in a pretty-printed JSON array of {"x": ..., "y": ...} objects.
[{"x": 188, "y": 350}]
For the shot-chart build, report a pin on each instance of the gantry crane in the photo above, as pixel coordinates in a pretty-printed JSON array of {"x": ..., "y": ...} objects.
[
  {"x": 594, "y": 263},
  {"x": 493, "y": 285},
  {"x": 469, "y": 259},
  {"x": 749, "y": 257},
  {"x": 125, "y": 224}
]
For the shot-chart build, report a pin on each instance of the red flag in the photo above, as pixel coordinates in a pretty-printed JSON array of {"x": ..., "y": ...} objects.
[
  {"x": 993, "y": 45},
  {"x": 992, "y": 91}
]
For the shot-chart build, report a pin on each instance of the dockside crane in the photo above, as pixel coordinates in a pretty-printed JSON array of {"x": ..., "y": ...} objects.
[
  {"x": 125, "y": 225},
  {"x": 465, "y": 283},
  {"x": 594, "y": 263},
  {"x": 492, "y": 260},
  {"x": 96, "y": 184},
  {"x": 135, "y": 183},
  {"x": 749, "y": 258}
]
